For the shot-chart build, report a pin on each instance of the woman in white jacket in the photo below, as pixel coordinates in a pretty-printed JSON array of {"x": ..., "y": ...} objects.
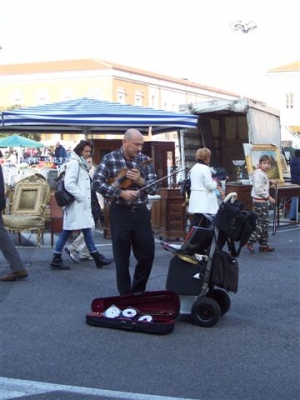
[
  {"x": 78, "y": 215},
  {"x": 203, "y": 198}
]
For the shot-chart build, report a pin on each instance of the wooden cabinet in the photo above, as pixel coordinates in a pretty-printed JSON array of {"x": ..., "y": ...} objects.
[
  {"x": 56, "y": 218},
  {"x": 172, "y": 215},
  {"x": 243, "y": 193}
]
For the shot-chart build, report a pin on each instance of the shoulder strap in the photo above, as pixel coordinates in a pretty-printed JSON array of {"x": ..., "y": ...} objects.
[
  {"x": 78, "y": 172},
  {"x": 232, "y": 249}
]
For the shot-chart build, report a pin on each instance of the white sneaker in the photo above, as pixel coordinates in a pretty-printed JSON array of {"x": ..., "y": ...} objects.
[
  {"x": 86, "y": 257},
  {"x": 73, "y": 254}
]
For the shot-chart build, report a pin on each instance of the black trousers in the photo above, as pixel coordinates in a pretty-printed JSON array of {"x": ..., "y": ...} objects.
[{"x": 131, "y": 229}]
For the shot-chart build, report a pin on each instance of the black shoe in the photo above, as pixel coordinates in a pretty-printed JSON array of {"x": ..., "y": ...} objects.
[
  {"x": 105, "y": 260},
  {"x": 101, "y": 260},
  {"x": 292, "y": 219},
  {"x": 57, "y": 263}
]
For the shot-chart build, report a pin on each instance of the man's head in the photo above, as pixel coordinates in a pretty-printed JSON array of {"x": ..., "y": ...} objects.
[
  {"x": 57, "y": 144},
  {"x": 133, "y": 142}
]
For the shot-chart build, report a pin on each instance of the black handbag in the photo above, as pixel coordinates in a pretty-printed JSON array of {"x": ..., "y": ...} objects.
[
  {"x": 62, "y": 196},
  {"x": 225, "y": 271}
]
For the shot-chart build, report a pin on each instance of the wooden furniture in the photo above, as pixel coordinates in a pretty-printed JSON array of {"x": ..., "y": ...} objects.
[
  {"x": 56, "y": 218},
  {"x": 106, "y": 226},
  {"x": 28, "y": 208},
  {"x": 285, "y": 191},
  {"x": 172, "y": 215},
  {"x": 243, "y": 193}
]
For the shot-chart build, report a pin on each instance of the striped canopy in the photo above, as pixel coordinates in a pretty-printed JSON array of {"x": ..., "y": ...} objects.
[{"x": 93, "y": 116}]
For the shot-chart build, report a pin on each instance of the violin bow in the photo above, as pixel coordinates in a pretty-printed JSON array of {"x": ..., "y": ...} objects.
[{"x": 161, "y": 179}]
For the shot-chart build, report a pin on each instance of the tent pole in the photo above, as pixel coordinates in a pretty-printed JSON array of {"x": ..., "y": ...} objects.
[{"x": 182, "y": 152}]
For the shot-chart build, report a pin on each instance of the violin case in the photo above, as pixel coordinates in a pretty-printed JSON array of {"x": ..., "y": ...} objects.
[{"x": 150, "y": 312}]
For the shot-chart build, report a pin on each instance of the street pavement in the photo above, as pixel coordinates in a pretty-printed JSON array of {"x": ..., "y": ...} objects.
[{"x": 47, "y": 351}]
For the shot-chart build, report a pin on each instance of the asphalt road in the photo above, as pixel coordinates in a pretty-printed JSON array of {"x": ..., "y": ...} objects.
[{"x": 49, "y": 352}]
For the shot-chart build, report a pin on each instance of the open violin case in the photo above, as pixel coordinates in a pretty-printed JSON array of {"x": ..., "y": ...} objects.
[{"x": 151, "y": 312}]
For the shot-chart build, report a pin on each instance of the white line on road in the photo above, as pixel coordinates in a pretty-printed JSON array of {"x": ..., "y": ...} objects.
[{"x": 17, "y": 388}]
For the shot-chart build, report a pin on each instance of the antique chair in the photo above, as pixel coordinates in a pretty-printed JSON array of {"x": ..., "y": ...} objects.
[{"x": 28, "y": 207}]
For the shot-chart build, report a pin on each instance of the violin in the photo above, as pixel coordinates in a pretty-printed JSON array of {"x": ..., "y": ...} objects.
[{"x": 121, "y": 181}]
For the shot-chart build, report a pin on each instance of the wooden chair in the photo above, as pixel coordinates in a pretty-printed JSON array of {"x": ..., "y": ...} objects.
[{"x": 28, "y": 207}]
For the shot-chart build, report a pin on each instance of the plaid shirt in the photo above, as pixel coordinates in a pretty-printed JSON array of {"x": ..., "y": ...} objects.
[{"x": 109, "y": 168}]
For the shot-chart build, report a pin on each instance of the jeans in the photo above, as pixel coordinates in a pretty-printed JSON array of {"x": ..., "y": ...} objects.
[
  {"x": 64, "y": 236},
  {"x": 79, "y": 245},
  {"x": 293, "y": 208}
]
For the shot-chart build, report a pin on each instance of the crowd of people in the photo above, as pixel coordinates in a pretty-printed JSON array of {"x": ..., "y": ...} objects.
[
  {"x": 33, "y": 156},
  {"x": 125, "y": 178}
]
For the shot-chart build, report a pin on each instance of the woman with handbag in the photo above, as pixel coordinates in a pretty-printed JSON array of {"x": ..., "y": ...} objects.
[
  {"x": 78, "y": 214},
  {"x": 203, "y": 198},
  {"x": 77, "y": 250}
]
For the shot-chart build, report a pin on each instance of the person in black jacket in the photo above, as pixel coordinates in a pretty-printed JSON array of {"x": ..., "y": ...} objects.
[
  {"x": 295, "y": 178},
  {"x": 60, "y": 154},
  {"x": 7, "y": 247}
]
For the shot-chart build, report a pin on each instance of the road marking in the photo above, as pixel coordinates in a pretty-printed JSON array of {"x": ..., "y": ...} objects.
[{"x": 16, "y": 388}]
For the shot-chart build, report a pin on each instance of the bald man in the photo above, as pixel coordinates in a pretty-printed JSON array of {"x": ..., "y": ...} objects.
[{"x": 129, "y": 217}]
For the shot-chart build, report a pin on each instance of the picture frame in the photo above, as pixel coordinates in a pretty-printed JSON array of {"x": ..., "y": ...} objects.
[
  {"x": 284, "y": 166},
  {"x": 27, "y": 199},
  {"x": 253, "y": 154}
]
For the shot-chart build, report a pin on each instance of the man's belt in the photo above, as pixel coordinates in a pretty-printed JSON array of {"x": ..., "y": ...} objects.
[{"x": 133, "y": 208}]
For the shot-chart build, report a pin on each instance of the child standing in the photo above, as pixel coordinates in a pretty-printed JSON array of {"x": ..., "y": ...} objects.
[{"x": 260, "y": 199}]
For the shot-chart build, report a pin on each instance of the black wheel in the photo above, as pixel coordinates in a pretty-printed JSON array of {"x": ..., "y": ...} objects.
[
  {"x": 222, "y": 298},
  {"x": 206, "y": 312}
]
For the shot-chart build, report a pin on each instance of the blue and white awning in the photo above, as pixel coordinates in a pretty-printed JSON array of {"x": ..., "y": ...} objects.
[{"x": 93, "y": 116}]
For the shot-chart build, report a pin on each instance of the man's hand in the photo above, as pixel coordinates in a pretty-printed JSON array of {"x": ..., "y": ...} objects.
[
  {"x": 129, "y": 195},
  {"x": 135, "y": 176}
]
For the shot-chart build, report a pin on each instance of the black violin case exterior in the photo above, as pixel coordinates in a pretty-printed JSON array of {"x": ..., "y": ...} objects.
[{"x": 151, "y": 312}]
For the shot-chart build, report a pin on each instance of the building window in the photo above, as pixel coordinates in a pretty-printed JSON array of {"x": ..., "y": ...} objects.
[
  {"x": 121, "y": 96},
  {"x": 95, "y": 94},
  {"x": 42, "y": 97},
  {"x": 138, "y": 98},
  {"x": 67, "y": 94},
  {"x": 17, "y": 98},
  {"x": 289, "y": 100}
]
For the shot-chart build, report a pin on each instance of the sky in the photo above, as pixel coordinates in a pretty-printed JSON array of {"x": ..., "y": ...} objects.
[{"x": 180, "y": 38}]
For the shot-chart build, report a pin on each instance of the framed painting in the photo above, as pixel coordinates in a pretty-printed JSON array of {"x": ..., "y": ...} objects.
[
  {"x": 253, "y": 154},
  {"x": 284, "y": 166}
]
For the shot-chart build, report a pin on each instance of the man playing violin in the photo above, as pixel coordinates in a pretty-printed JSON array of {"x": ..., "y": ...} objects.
[{"x": 120, "y": 178}]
